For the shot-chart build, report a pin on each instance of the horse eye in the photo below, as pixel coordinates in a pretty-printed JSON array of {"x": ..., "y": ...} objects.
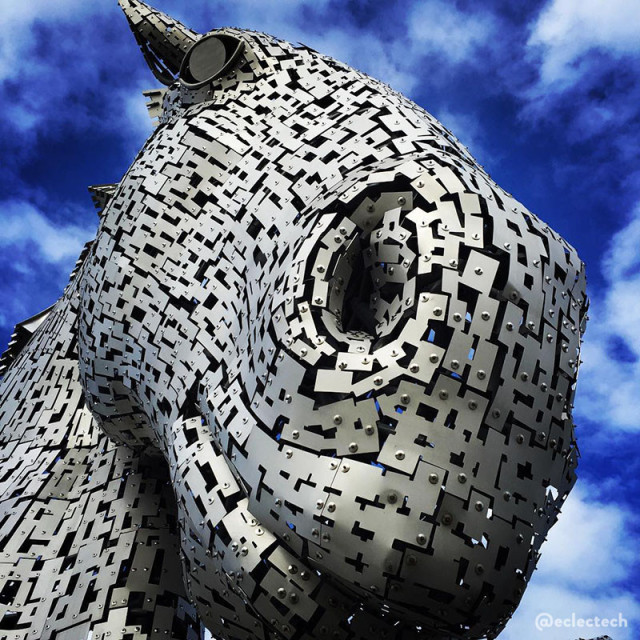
[{"x": 209, "y": 58}]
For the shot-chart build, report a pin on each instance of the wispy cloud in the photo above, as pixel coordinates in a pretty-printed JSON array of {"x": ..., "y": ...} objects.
[
  {"x": 567, "y": 30},
  {"x": 609, "y": 383},
  {"x": 440, "y": 29},
  {"x": 586, "y": 59},
  {"x": 24, "y": 228},
  {"x": 588, "y": 557},
  {"x": 466, "y": 128},
  {"x": 36, "y": 257}
]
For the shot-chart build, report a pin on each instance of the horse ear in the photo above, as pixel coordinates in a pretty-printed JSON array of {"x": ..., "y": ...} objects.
[{"x": 163, "y": 40}]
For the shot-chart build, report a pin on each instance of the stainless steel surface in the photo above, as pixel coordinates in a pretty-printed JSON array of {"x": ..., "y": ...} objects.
[{"x": 314, "y": 352}]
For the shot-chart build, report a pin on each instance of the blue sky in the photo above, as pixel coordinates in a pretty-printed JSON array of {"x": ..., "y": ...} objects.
[{"x": 544, "y": 93}]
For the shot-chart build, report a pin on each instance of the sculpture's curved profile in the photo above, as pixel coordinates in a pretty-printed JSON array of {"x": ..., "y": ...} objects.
[{"x": 312, "y": 345}]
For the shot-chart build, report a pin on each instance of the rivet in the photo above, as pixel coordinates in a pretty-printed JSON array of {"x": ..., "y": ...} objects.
[
  {"x": 437, "y": 311},
  {"x": 400, "y": 455},
  {"x": 392, "y": 498},
  {"x": 433, "y": 478},
  {"x": 481, "y": 375},
  {"x": 473, "y": 405},
  {"x": 421, "y": 538},
  {"x": 377, "y": 381},
  {"x": 405, "y": 398},
  {"x": 444, "y": 394},
  {"x": 479, "y": 506},
  {"x": 331, "y": 507},
  {"x": 455, "y": 365},
  {"x": 519, "y": 438},
  {"x": 434, "y": 357},
  {"x": 369, "y": 430},
  {"x": 462, "y": 478},
  {"x": 353, "y": 447},
  {"x": 447, "y": 519},
  {"x": 337, "y": 419}
]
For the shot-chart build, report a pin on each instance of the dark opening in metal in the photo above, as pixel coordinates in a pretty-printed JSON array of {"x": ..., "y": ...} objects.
[{"x": 209, "y": 58}]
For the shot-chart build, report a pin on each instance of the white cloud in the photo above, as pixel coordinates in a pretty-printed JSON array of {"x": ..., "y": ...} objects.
[
  {"x": 53, "y": 67},
  {"x": 24, "y": 229},
  {"x": 439, "y": 28},
  {"x": 566, "y": 30},
  {"x": 609, "y": 381},
  {"x": 383, "y": 60},
  {"x": 19, "y": 19},
  {"x": 467, "y": 129},
  {"x": 589, "y": 552},
  {"x": 587, "y": 529}
]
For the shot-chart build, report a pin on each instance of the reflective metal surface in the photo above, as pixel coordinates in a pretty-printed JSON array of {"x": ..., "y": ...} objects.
[{"x": 315, "y": 356}]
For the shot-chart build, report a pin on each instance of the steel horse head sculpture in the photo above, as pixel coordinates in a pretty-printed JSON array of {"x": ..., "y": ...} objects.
[{"x": 312, "y": 379}]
